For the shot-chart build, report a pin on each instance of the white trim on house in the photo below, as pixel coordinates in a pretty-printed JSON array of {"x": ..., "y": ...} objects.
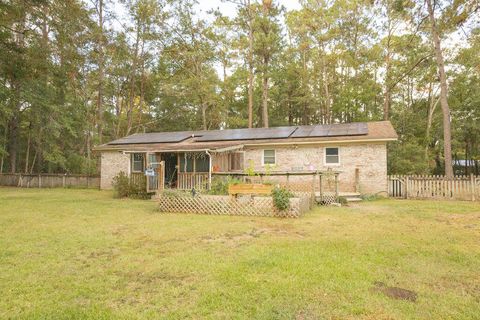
[
  {"x": 325, "y": 156},
  {"x": 274, "y": 157},
  {"x": 317, "y": 142}
]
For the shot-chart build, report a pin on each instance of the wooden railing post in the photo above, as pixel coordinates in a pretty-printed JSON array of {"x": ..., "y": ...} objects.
[
  {"x": 313, "y": 185},
  {"x": 357, "y": 180},
  {"x": 320, "y": 187},
  {"x": 336, "y": 186}
]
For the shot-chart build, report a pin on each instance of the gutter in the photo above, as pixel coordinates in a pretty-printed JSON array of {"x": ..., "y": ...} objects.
[
  {"x": 318, "y": 142},
  {"x": 105, "y": 148}
]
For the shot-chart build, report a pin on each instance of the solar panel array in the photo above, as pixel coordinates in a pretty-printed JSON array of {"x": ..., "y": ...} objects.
[
  {"x": 247, "y": 134},
  {"x": 331, "y": 130},
  {"x": 154, "y": 137}
]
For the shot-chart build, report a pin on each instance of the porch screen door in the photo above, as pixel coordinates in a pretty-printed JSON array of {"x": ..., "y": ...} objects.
[{"x": 155, "y": 182}]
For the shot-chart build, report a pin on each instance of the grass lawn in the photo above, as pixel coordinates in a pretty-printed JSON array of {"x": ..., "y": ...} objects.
[{"x": 76, "y": 254}]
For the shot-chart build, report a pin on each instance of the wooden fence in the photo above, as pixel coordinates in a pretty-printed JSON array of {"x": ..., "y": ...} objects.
[
  {"x": 434, "y": 187},
  {"x": 45, "y": 180}
]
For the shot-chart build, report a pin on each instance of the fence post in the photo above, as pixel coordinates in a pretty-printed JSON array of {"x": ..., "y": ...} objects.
[
  {"x": 87, "y": 182},
  {"x": 357, "y": 180},
  {"x": 39, "y": 180},
  {"x": 472, "y": 183},
  {"x": 406, "y": 187},
  {"x": 63, "y": 181}
]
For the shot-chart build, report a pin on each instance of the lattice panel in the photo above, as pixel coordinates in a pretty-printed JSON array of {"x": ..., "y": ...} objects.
[
  {"x": 225, "y": 205},
  {"x": 328, "y": 198}
]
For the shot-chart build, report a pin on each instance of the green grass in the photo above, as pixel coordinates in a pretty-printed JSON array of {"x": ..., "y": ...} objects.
[{"x": 75, "y": 254}]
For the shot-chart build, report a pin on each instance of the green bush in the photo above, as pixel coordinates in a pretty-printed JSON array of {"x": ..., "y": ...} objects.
[
  {"x": 220, "y": 185},
  {"x": 124, "y": 187},
  {"x": 371, "y": 197},
  {"x": 175, "y": 193},
  {"x": 342, "y": 200},
  {"x": 121, "y": 185},
  {"x": 281, "y": 198}
]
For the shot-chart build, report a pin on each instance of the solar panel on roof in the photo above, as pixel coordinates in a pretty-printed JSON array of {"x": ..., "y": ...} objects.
[
  {"x": 154, "y": 137},
  {"x": 247, "y": 134},
  {"x": 358, "y": 129},
  {"x": 331, "y": 130}
]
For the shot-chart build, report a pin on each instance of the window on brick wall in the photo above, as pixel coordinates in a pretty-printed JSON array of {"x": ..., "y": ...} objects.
[
  {"x": 332, "y": 156},
  {"x": 138, "y": 160},
  {"x": 269, "y": 157}
]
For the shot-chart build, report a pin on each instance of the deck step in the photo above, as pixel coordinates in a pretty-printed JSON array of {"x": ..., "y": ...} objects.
[{"x": 353, "y": 199}]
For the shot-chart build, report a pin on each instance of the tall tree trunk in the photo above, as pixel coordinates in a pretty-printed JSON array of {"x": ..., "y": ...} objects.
[
  {"x": 327, "y": 113},
  {"x": 132, "y": 81},
  {"x": 265, "y": 95},
  {"x": 387, "y": 95},
  {"x": 100, "y": 73},
  {"x": 4, "y": 141},
  {"x": 447, "y": 140},
  {"x": 13, "y": 128},
  {"x": 27, "y": 153},
  {"x": 250, "y": 65},
  {"x": 204, "y": 116},
  {"x": 14, "y": 123},
  {"x": 431, "y": 109}
]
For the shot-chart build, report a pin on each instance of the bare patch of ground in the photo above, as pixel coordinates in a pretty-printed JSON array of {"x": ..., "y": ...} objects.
[
  {"x": 252, "y": 234},
  {"x": 395, "y": 292}
]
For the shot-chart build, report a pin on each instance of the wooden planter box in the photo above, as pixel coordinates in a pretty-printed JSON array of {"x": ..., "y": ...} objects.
[{"x": 246, "y": 188}]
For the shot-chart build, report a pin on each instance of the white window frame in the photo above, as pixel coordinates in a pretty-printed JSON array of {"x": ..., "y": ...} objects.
[
  {"x": 274, "y": 155},
  {"x": 325, "y": 156}
]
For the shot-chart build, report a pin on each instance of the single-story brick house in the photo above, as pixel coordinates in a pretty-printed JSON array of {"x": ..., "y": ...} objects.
[{"x": 358, "y": 151}]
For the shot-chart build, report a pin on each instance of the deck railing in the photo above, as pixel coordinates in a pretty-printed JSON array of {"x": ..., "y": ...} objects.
[{"x": 191, "y": 180}]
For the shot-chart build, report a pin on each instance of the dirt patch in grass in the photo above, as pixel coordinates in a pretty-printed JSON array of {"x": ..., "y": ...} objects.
[
  {"x": 250, "y": 235},
  {"x": 395, "y": 292}
]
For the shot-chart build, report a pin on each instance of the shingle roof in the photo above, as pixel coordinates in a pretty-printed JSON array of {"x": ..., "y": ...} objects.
[{"x": 195, "y": 140}]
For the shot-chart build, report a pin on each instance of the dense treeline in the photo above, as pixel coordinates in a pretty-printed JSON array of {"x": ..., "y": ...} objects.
[{"x": 74, "y": 74}]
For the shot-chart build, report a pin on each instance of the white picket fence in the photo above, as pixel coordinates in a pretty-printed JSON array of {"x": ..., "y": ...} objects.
[{"x": 434, "y": 187}]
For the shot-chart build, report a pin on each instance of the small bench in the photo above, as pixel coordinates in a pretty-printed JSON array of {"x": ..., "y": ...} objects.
[{"x": 236, "y": 189}]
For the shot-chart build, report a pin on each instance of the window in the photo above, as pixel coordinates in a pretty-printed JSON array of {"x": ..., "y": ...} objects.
[
  {"x": 268, "y": 157},
  {"x": 138, "y": 162},
  {"x": 332, "y": 156}
]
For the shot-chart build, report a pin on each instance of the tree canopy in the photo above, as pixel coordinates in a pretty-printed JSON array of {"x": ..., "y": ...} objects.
[{"x": 75, "y": 74}]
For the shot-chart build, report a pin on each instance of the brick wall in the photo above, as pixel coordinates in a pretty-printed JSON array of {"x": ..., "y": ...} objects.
[
  {"x": 369, "y": 158},
  {"x": 112, "y": 162}
]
